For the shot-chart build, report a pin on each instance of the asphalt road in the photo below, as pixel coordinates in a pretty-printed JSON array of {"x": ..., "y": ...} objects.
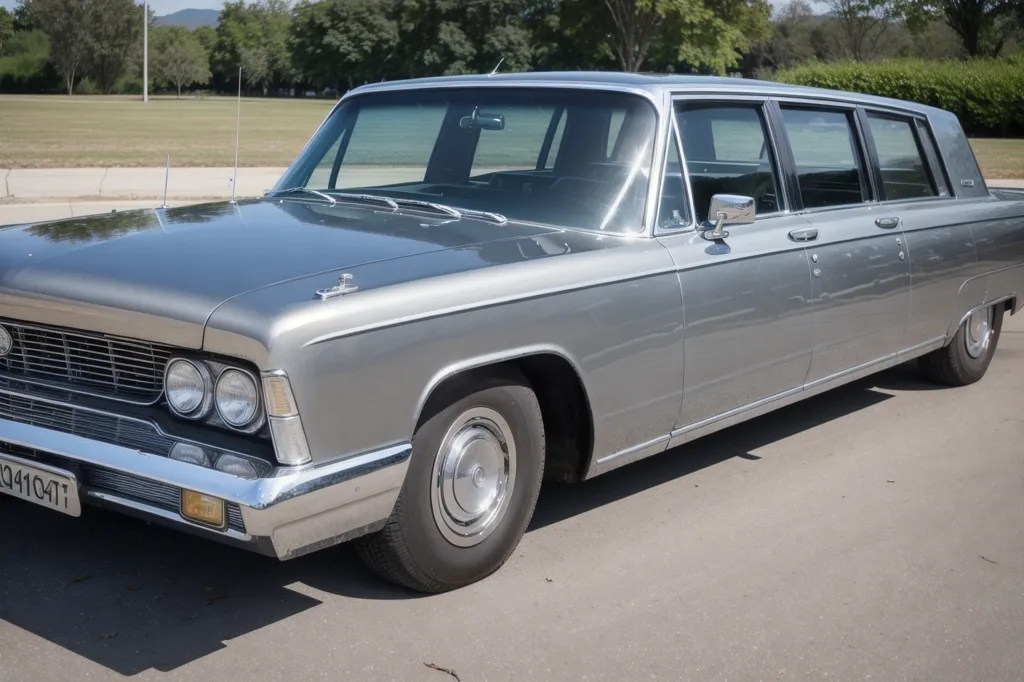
[{"x": 876, "y": 531}]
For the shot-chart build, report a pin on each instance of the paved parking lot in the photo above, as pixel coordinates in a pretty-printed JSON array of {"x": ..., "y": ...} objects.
[{"x": 876, "y": 531}]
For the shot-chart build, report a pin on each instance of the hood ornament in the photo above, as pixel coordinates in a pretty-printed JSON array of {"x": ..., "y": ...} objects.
[{"x": 344, "y": 286}]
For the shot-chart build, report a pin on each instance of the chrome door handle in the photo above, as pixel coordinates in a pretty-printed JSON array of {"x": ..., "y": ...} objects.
[
  {"x": 807, "y": 234},
  {"x": 888, "y": 223}
]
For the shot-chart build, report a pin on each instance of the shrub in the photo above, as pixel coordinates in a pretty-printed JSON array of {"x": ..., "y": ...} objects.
[
  {"x": 987, "y": 94},
  {"x": 87, "y": 86}
]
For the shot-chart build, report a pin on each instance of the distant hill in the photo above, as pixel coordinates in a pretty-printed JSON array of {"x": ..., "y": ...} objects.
[{"x": 190, "y": 18}]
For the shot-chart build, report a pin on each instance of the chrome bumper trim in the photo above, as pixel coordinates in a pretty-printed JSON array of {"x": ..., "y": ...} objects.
[{"x": 293, "y": 511}]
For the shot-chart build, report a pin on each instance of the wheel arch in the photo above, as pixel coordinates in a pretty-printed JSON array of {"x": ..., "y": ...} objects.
[
  {"x": 561, "y": 392},
  {"x": 1009, "y": 304}
]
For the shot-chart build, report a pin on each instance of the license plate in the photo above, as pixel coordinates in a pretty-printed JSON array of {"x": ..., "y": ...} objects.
[{"x": 40, "y": 484}]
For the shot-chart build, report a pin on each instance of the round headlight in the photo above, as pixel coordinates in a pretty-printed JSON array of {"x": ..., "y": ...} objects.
[
  {"x": 193, "y": 454},
  {"x": 187, "y": 386},
  {"x": 237, "y": 466},
  {"x": 237, "y": 398}
]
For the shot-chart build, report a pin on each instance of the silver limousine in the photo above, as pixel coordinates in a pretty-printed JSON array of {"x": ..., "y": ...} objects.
[{"x": 464, "y": 287}]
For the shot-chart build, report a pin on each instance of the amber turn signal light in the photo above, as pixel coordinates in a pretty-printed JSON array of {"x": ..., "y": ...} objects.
[{"x": 204, "y": 509}]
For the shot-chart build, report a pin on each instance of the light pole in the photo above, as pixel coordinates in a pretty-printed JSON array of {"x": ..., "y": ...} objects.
[{"x": 145, "y": 51}]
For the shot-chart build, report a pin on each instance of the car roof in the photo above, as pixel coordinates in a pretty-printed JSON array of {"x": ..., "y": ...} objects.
[{"x": 655, "y": 84}]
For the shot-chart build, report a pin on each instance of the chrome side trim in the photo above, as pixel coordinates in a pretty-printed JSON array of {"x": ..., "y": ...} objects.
[
  {"x": 491, "y": 303},
  {"x": 708, "y": 426},
  {"x": 631, "y": 454}
]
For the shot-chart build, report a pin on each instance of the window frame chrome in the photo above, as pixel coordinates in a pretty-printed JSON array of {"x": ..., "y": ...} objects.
[
  {"x": 870, "y": 138},
  {"x": 757, "y": 102},
  {"x": 658, "y": 104},
  {"x": 850, "y": 109}
]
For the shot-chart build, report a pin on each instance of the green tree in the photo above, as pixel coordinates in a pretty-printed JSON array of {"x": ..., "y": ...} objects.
[
  {"x": 262, "y": 28},
  {"x": 6, "y": 28},
  {"x": 114, "y": 29},
  {"x": 983, "y": 26},
  {"x": 207, "y": 37},
  {"x": 336, "y": 41},
  {"x": 863, "y": 23},
  {"x": 64, "y": 22},
  {"x": 178, "y": 58},
  {"x": 255, "y": 66},
  {"x": 706, "y": 34}
]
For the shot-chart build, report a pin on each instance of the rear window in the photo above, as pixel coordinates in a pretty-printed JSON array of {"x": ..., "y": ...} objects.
[{"x": 904, "y": 171}]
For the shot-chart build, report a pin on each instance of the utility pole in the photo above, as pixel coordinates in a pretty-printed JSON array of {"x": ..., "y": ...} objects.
[{"x": 145, "y": 51}]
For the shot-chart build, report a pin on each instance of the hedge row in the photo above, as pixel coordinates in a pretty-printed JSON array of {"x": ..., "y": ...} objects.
[{"x": 987, "y": 94}]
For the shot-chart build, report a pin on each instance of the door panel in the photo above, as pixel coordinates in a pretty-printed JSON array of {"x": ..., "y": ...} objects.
[
  {"x": 861, "y": 280},
  {"x": 748, "y": 320}
]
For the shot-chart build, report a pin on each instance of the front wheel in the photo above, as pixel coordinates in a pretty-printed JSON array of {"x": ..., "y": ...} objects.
[
  {"x": 476, "y": 469},
  {"x": 967, "y": 357}
]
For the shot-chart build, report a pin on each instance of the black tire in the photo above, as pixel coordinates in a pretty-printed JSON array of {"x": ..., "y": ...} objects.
[
  {"x": 953, "y": 365},
  {"x": 411, "y": 550}
]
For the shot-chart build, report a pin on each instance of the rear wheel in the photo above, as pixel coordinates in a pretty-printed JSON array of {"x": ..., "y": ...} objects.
[
  {"x": 469, "y": 494},
  {"x": 967, "y": 357}
]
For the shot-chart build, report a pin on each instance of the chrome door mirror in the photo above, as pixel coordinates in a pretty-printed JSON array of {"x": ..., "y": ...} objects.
[{"x": 728, "y": 209}]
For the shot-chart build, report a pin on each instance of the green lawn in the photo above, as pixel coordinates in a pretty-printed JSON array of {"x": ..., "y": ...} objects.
[
  {"x": 60, "y": 132},
  {"x": 75, "y": 132}
]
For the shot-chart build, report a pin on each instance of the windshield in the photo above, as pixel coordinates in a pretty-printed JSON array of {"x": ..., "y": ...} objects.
[{"x": 572, "y": 158}]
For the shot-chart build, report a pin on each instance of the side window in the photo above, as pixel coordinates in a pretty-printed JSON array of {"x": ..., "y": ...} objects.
[
  {"x": 904, "y": 171},
  {"x": 727, "y": 151},
  {"x": 829, "y": 166},
  {"x": 518, "y": 146}
]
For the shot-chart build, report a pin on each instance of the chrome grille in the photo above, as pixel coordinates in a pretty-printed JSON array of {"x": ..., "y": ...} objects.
[
  {"x": 90, "y": 363},
  {"x": 128, "y": 433}
]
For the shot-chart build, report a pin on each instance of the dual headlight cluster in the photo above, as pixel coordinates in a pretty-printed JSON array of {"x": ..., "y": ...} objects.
[
  {"x": 197, "y": 390},
  {"x": 233, "y": 397}
]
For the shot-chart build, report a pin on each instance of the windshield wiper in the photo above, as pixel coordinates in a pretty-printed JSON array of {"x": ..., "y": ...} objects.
[
  {"x": 302, "y": 190},
  {"x": 456, "y": 213},
  {"x": 394, "y": 204},
  {"x": 367, "y": 198}
]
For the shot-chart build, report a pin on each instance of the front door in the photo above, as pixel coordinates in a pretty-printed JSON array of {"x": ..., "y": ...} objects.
[
  {"x": 859, "y": 260},
  {"x": 747, "y": 312}
]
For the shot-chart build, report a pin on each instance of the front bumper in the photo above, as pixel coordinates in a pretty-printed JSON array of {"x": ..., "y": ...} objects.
[{"x": 292, "y": 511}]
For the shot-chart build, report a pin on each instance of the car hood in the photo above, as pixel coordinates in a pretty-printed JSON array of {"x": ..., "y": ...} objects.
[{"x": 159, "y": 274}]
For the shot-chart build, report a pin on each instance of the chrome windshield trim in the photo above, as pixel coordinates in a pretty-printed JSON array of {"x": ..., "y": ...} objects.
[{"x": 657, "y": 98}]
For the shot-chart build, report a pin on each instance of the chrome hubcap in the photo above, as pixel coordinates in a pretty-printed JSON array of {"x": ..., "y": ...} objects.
[
  {"x": 979, "y": 331},
  {"x": 474, "y": 474}
]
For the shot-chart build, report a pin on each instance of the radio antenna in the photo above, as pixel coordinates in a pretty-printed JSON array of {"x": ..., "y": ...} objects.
[
  {"x": 238, "y": 124},
  {"x": 496, "y": 67}
]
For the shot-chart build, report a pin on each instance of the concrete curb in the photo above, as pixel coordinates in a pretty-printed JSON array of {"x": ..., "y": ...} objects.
[{"x": 135, "y": 183}]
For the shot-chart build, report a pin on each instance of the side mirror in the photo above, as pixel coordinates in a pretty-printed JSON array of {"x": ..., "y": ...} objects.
[{"x": 728, "y": 209}]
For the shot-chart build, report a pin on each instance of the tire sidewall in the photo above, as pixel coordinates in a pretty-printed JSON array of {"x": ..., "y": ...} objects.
[
  {"x": 973, "y": 369},
  {"x": 430, "y": 552}
]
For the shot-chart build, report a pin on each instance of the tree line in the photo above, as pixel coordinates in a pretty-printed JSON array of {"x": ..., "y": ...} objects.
[{"x": 333, "y": 45}]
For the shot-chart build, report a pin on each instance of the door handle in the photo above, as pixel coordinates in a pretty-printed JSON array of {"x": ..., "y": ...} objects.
[
  {"x": 807, "y": 234},
  {"x": 888, "y": 223}
]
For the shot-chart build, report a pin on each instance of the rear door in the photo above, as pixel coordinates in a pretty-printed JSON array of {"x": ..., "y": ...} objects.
[
  {"x": 860, "y": 272},
  {"x": 748, "y": 321}
]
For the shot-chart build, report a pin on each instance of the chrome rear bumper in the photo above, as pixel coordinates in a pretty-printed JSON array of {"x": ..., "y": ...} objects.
[{"x": 294, "y": 511}]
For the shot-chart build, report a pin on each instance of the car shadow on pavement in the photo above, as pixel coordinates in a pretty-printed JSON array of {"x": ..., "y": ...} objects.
[
  {"x": 559, "y": 501},
  {"x": 131, "y": 596}
]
